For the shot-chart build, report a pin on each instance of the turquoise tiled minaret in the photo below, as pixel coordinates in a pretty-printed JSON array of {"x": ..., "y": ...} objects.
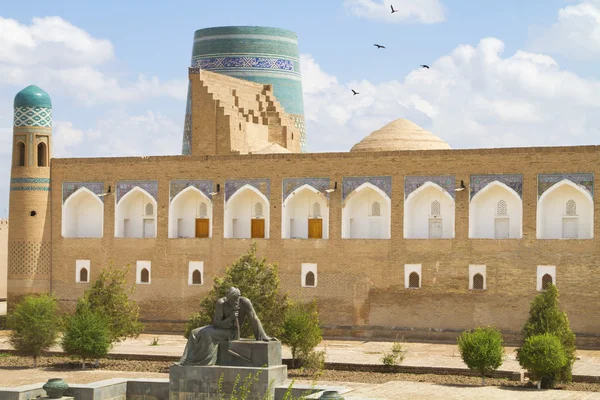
[
  {"x": 32, "y": 107},
  {"x": 255, "y": 53}
]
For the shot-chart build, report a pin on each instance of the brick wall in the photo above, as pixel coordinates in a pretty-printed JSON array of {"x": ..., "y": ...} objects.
[
  {"x": 3, "y": 256},
  {"x": 360, "y": 282}
]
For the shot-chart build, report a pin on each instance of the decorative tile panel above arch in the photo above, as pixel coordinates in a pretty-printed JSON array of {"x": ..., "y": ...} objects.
[
  {"x": 68, "y": 188},
  {"x": 176, "y": 186},
  {"x": 263, "y": 186},
  {"x": 291, "y": 184},
  {"x": 583, "y": 180},
  {"x": 349, "y": 184},
  {"x": 124, "y": 187},
  {"x": 446, "y": 182},
  {"x": 513, "y": 181}
]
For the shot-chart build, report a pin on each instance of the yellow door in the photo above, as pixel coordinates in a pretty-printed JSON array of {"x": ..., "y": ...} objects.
[
  {"x": 315, "y": 228},
  {"x": 202, "y": 227},
  {"x": 258, "y": 229}
]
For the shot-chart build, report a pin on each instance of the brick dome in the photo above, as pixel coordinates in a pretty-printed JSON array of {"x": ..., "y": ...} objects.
[{"x": 400, "y": 134}]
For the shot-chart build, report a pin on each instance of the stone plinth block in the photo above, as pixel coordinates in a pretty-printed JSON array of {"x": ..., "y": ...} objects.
[
  {"x": 249, "y": 353},
  {"x": 189, "y": 382}
]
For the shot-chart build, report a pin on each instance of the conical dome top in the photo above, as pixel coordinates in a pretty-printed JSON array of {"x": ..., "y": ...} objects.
[
  {"x": 400, "y": 134},
  {"x": 33, "y": 96}
]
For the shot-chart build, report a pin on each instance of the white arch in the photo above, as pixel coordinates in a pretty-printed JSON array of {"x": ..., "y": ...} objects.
[
  {"x": 228, "y": 228},
  {"x": 174, "y": 215},
  {"x": 92, "y": 224},
  {"x": 137, "y": 222},
  {"x": 479, "y": 218},
  {"x": 301, "y": 214},
  {"x": 420, "y": 229},
  {"x": 358, "y": 224},
  {"x": 549, "y": 220}
]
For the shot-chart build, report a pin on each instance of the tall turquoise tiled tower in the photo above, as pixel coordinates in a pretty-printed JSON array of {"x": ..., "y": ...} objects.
[{"x": 255, "y": 53}]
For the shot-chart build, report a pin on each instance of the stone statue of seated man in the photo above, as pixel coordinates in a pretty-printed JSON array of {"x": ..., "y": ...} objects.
[{"x": 231, "y": 312}]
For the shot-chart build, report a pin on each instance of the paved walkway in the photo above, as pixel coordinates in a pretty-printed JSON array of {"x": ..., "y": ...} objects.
[{"x": 357, "y": 352}]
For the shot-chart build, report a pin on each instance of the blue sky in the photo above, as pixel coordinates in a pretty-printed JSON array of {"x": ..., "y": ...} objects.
[{"x": 509, "y": 73}]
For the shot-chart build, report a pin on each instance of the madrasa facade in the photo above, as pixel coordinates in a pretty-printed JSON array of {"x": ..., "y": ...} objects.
[{"x": 400, "y": 236}]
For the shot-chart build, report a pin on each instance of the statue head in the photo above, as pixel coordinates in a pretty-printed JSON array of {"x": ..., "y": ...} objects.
[{"x": 233, "y": 297}]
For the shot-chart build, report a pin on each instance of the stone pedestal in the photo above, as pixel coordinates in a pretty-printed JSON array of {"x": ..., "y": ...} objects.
[{"x": 257, "y": 365}]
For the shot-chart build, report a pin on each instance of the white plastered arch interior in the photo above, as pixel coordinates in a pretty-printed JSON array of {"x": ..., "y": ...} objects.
[
  {"x": 83, "y": 215},
  {"x": 419, "y": 223},
  {"x": 131, "y": 217},
  {"x": 241, "y": 208},
  {"x": 358, "y": 219},
  {"x": 553, "y": 221},
  {"x": 299, "y": 207},
  {"x": 185, "y": 207},
  {"x": 485, "y": 222}
]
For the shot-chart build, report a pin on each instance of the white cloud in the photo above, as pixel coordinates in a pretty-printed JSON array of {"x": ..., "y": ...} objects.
[
  {"x": 423, "y": 11},
  {"x": 576, "y": 33},
  {"x": 473, "y": 97},
  {"x": 65, "y": 59}
]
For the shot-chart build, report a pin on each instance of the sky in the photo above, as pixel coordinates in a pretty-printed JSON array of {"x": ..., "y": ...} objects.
[{"x": 502, "y": 74}]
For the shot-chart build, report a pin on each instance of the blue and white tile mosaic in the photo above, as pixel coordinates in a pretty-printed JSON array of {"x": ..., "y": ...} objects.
[
  {"x": 349, "y": 184},
  {"x": 176, "y": 186},
  {"x": 124, "y": 187},
  {"x": 263, "y": 186},
  {"x": 583, "y": 180},
  {"x": 244, "y": 62},
  {"x": 187, "y": 126},
  {"x": 30, "y": 188},
  {"x": 291, "y": 184},
  {"x": 69, "y": 188},
  {"x": 30, "y": 180},
  {"x": 513, "y": 181},
  {"x": 33, "y": 116},
  {"x": 446, "y": 182}
]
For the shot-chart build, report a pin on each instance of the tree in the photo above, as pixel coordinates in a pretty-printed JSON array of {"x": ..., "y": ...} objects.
[
  {"x": 543, "y": 356},
  {"x": 482, "y": 350},
  {"x": 301, "y": 329},
  {"x": 87, "y": 334},
  {"x": 258, "y": 281},
  {"x": 545, "y": 316},
  {"x": 35, "y": 325},
  {"x": 109, "y": 297}
]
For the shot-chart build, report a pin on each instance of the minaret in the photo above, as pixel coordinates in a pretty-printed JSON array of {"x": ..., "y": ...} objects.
[{"x": 29, "y": 245}]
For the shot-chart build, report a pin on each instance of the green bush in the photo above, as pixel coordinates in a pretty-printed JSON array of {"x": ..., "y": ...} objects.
[
  {"x": 109, "y": 297},
  {"x": 482, "y": 350},
  {"x": 35, "y": 325},
  {"x": 259, "y": 282},
  {"x": 543, "y": 356},
  {"x": 87, "y": 334},
  {"x": 3, "y": 323},
  {"x": 545, "y": 316},
  {"x": 301, "y": 329},
  {"x": 396, "y": 354}
]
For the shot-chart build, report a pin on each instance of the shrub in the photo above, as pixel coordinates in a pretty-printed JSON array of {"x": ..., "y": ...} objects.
[
  {"x": 257, "y": 281},
  {"x": 543, "y": 356},
  {"x": 35, "y": 325},
  {"x": 545, "y": 316},
  {"x": 301, "y": 329},
  {"x": 482, "y": 350},
  {"x": 109, "y": 296},
  {"x": 87, "y": 334},
  {"x": 396, "y": 354}
]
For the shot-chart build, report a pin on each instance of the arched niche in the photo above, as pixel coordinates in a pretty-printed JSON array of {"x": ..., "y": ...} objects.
[
  {"x": 247, "y": 214},
  {"x": 42, "y": 155},
  {"x": 496, "y": 212},
  {"x": 83, "y": 215},
  {"x": 305, "y": 214},
  {"x": 553, "y": 216},
  {"x": 190, "y": 214},
  {"x": 429, "y": 213},
  {"x": 366, "y": 213},
  {"x": 135, "y": 215},
  {"x": 20, "y": 154}
]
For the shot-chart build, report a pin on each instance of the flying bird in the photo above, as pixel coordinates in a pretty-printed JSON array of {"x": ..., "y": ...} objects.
[
  {"x": 393, "y": 11},
  {"x": 379, "y": 46},
  {"x": 425, "y": 66},
  {"x": 354, "y": 92}
]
